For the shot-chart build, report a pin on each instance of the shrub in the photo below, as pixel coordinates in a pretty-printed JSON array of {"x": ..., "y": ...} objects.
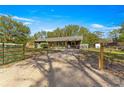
[{"x": 44, "y": 45}]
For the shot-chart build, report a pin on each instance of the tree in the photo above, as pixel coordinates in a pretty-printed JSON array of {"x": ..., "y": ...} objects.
[
  {"x": 69, "y": 30},
  {"x": 92, "y": 38},
  {"x": 84, "y": 33},
  {"x": 50, "y": 34},
  {"x": 121, "y": 33},
  {"x": 73, "y": 30},
  {"x": 118, "y": 34},
  {"x": 114, "y": 35},
  {"x": 57, "y": 32},
  {"x": 13, "y": 31},
  {"x": 42, "y": 34},
  {"x": 99, "y": 34}
]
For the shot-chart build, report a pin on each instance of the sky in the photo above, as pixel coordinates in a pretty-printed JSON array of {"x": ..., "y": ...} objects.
[{"x": 48, "y": 17}]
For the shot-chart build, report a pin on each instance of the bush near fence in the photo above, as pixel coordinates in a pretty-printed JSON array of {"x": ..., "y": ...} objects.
[{"x": 10, "y": 52}]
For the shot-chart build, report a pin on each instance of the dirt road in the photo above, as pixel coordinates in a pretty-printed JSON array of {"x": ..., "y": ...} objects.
[{"x": 60, "y": 69}]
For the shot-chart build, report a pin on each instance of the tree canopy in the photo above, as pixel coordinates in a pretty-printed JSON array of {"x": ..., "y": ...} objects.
[
  {"x": 118, "y": 34},
  {"x": 121, "y": 32},
  {"x": 71, "y": 30},
  {"x": 13, "y": 31}
]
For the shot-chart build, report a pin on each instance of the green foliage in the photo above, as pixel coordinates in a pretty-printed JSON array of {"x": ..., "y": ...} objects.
[
  {"x": 70, "y": 30},
  {"x": 44, "y": 45},
  {"x": 114, "y": 35},
  {"x": 118, "y": 35},
  {"x": 40, "y": 34},
  {"x": 121, "y": 32},
  {"x": 99, "y": 34},
  {"x": 13, "y": 31},
  {"x": 121, "y": 37},
  {"x": 75, "y": 30}
]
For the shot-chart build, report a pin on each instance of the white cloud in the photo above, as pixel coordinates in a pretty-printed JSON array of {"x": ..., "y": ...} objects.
[
  {"x": 97, "y": 26},
  {"x": 22, "y": 18},
  {"x": 102, "y": 28},
  {"x": 114, "y": 27},
  {"x": 49, "y": 29},
  {"x": 18, "y": 18},
  {"x": 27, "y": 23}
]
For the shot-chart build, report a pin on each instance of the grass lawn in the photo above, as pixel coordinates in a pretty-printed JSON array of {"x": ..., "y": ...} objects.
[
  {"x": 107, "y": 50},
  {"x": 113, "y": 55}
]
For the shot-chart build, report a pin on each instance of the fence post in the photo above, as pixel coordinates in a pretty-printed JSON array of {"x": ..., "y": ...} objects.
[
  {"x": 23, "y": 51},
  {"x": 101, "y": 57},
  {"x": 3, "y": 52}
]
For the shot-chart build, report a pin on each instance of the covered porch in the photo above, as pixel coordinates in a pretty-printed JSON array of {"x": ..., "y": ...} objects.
[{"x": 62, "y": 42}]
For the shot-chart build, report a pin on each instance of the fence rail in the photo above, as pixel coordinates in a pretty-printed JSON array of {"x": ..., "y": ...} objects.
[{"x": 10, "y": 52}]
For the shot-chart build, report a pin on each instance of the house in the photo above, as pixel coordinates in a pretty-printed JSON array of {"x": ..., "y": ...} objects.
[{"x": 66, "y": 42}]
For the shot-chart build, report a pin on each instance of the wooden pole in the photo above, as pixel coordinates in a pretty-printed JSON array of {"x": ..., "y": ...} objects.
[
  {"x": 58, "y": 43},
  {"x": 65, "y": 44},
  {"x": 75, "y": 44},
  {"x": 47, "y": 45},
  {"x": 62, "y": 44},
  {"x": 101, "y": 57},
  {"x": 23, "y": 51},
  {"x": 52, "y": 44},
  {"x": 3, "y": 52}
]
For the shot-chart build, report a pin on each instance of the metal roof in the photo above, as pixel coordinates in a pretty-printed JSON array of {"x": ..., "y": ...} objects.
[{"x": 55, "y": 39}]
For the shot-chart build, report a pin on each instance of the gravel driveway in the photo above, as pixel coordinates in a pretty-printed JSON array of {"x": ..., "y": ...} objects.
[{"x": 59, "y": 69}]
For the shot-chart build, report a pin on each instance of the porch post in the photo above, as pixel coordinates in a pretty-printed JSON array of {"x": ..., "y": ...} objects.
[
  {"x": 65, "y": 44},
  {"x": 75, "y": 44}
]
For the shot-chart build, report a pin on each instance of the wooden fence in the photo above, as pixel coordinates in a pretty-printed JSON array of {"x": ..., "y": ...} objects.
[{"x": 10, "y": 52}]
